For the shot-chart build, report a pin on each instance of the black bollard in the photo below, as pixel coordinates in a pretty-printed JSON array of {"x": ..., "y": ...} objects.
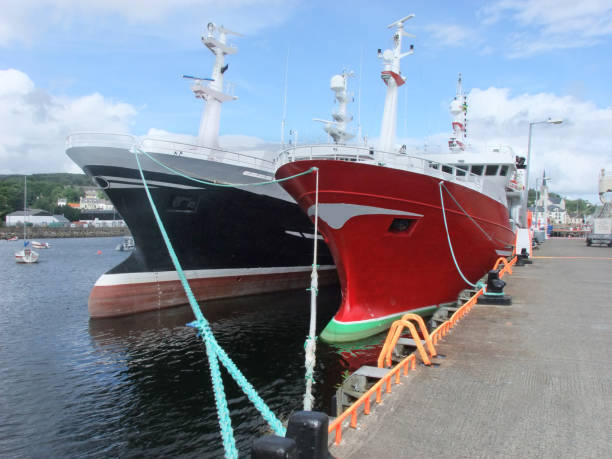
[
  {"x": 522, "y": 258},
  {"x": 274, "y": 447},
  {"x": 495, "y": 291},
  {"x": 309, "y": 430}
]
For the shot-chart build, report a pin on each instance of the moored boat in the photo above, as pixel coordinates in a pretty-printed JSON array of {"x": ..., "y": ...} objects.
[
  {"x": 40, "y": 245},
  {"x": 407, "y": 231},
  {"x": 26, "y": 255},
  {"x": 231, "y": 241}
]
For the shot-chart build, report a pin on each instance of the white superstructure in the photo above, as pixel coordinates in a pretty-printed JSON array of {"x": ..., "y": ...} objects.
[
  {"x": 337, "y": 129},
  {"x": 216, "y": 42}
]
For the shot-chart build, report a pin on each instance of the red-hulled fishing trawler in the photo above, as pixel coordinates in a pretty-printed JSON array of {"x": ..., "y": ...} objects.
[{"x": 406, "y": 231}]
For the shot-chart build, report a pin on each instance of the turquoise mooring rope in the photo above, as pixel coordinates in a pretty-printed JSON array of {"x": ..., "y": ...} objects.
[
  {"x": 222, "y": 185},
  {"x": 450, "y": 245},
  {"x": 478, "y": 285},
  {"x": 214, "y": 351}
]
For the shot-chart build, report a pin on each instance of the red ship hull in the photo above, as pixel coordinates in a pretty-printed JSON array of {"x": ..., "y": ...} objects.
[{"x": 386, "y": 232}]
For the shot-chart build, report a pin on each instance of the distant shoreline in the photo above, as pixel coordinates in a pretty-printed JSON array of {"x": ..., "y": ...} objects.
[{"x": 40, "y": 232}]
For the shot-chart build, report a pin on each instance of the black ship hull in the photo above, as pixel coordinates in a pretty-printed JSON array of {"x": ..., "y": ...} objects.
[{"x": 230, "y": 241}]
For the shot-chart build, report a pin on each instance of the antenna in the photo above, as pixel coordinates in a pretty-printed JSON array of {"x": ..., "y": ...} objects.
[
  {"x": 282, "y": 139},
  {"x": 198, "y": 78},
  {"x": 359, "y": 95},
  {"x": 230, "y": 32},
  {"x": 401, "y": 22}
]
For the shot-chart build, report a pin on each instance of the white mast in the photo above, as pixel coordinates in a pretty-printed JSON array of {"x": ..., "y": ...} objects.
[
  {"x": 213, "y": 94},
  {"x": 393, "y": 78},
  {"x": 25, "y": 205},
  {"x": 458, "y": 109},
  {"x": 337, "y": 128}
]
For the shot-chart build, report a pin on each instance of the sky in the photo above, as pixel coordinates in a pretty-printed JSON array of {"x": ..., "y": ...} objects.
[{"x": 116, "y": 66}]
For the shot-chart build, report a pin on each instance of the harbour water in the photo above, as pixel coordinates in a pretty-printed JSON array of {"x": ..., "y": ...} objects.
[{"x": 140, "y": 386}]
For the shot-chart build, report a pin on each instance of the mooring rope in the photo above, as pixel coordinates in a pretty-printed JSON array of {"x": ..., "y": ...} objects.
[
  {"x": 310, "y": 346},
  {"x": 213, "y": 350},
  {"x": 222, "y": 185},
  {"x": 450, "y": 245}
]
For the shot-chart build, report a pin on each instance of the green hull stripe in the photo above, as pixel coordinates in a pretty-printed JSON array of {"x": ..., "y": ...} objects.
[{"x": 339, "y": 332}]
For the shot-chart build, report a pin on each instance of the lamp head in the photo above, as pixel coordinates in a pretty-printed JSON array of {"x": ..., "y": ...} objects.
[{"x": 556, "y": 121}]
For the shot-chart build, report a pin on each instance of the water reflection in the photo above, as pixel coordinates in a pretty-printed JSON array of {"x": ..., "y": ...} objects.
[{"x": 163, "y": 367}]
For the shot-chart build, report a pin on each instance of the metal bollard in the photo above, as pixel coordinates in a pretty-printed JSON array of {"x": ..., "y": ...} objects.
[
  {"x": 309, "y": 430},
  {"x": 306, "y": 438},
  {"x": 495, "y": 291},
  {"x": 274, "y": 447}
]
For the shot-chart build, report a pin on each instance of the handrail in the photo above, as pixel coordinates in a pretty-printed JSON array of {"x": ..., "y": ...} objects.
[
  {"x": 336, "y": 424},
  {"x": 166, "y": 146},
  {"x": 394, "y": 160},
  {"x": 396, "y": 330}
]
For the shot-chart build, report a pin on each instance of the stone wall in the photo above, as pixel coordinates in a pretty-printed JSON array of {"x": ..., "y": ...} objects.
[{"x": 38, "y": 232}]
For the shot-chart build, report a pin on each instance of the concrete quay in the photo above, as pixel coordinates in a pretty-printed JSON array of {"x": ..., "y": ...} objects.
[{"x": 529, "y": 380}]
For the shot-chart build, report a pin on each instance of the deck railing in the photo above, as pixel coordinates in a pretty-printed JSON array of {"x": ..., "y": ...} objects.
[
  {"x": 354, "y": 153},
  {"x": 168, "y": 147}
]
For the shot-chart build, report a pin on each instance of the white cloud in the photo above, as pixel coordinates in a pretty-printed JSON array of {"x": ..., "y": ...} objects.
[
  {"x": 27, "y": 20},
  {"x": 572, "y": 153},
  {"x": 547, "y": 25},
  {"x": 34, "y": 124},
  {"x": 451, "y": 35}
]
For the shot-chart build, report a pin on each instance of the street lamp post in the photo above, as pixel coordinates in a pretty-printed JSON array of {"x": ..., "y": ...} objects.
[{"x": 548, "y": 121}]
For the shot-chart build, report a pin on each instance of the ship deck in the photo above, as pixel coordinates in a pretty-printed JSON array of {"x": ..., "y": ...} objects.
[{"x": 529, "y": 380}]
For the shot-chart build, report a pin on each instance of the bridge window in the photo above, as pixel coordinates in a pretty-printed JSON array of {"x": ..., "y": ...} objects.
[
  {"x": 461, "y": 170},
  {"x": 503, "y": 170},
  {"x": 447, "y": 169},
  {"x": 491, "y": 169},
  {"x": 477, "y": 169}
]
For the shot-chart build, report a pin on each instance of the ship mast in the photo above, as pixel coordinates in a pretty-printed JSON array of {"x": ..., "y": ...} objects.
[
  {"x": 458, "y": 109},
  {"x": 391, "y": 75},
  {"x": 337, "y": 128},
  {"x": 216, "y": 42}
]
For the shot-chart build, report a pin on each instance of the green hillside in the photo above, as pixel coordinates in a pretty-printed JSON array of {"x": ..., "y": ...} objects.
[{"x": 43, "y": 192}]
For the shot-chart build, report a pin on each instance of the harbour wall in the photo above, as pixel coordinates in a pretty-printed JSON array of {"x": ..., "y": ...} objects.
[{"x": 41, "y": 232}]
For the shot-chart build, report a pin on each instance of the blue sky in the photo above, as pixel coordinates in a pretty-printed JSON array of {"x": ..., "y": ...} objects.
[{"x": 108, "y": 65}]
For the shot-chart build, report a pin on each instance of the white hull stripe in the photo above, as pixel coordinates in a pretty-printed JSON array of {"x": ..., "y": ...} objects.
[
  {"x": 125, "y": 182},
  {"x": 389, "y": 316},
  {"x": 336, "y": 215},
  {"x": 167, "y": 276}
]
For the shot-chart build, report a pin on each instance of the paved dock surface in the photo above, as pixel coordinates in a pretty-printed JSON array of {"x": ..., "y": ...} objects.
[{"x": 529, "y": 380}]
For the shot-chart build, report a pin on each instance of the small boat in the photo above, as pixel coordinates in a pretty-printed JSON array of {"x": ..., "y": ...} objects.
[
  {"x": 26, "y": 255},
  {"x": 40, "y": 245},
  {"x": 14, "y": 238},
  {"x": 126, "y": 245}
]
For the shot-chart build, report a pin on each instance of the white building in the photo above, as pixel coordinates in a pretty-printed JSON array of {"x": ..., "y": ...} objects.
[
  {"x": 36, "y": 217},
  {"x": 92, "y": 202},
  {"x": 548, "y": 210}
]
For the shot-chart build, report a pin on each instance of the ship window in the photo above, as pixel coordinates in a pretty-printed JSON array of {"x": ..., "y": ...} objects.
[
  {"x": 461, "y": 170},
  {"x": 503, "y": 170},
  {"x": 491, "y": 169},
  {"x": 183, "y": 203},
  {"x": 477, "y": 169},
  {"x": 401, "y": 225},
  {"x": 447, "y": 169},
  {"x": 434, "y": 165}
]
